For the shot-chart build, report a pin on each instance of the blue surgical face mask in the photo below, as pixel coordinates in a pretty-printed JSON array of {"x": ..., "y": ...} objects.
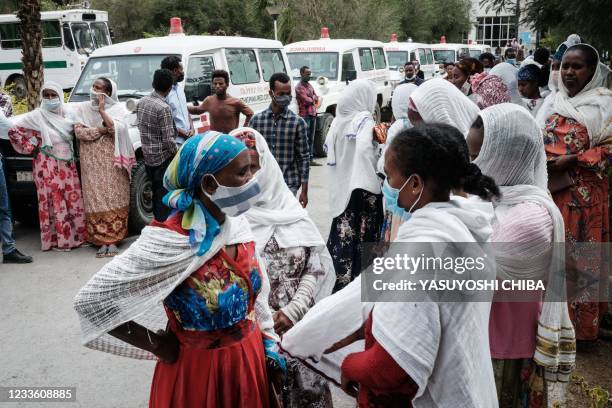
[
  {"x": 51, "y": 105},
  {"x": 283, "y": 101},
  {"x": 234, "y": 201},
  {"x": 392, "y": 199},
  {"x": 511, "y": 61}
]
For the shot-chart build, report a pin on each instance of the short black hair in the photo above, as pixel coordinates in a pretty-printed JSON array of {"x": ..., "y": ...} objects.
[
  {"x": 171, "y": 62},
  {"x": 509, "y": 49},
  {"x": 438, "y": 152},
  {"x": 304, "y": 68},
  {"x": 280, "y": 77},
  {"x": 162, "y": 80},
  {"x": 486, "y": 55},
  {"x": 108, "y": 86},
  {"x": 541, "y": 56},
  {"x": 590, "y": 55},
  {"x": 408, "y": 63},
  {"x": 220, "y": 73}
]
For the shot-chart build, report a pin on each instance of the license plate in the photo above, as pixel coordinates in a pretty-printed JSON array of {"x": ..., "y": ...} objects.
[{"x": 24, "y": 176}]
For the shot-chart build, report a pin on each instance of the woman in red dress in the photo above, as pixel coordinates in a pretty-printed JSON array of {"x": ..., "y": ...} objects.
[
  {"x": 578, "y": 141},
  {"x": 219, "y": 343}
]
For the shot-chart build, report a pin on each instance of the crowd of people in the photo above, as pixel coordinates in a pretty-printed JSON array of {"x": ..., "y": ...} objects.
[{"x": 233, "y": 289}]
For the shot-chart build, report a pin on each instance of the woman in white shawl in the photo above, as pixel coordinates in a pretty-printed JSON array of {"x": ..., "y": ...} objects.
[
  {"x": 107, "y": 157},
  {"x": 439, "y": 101},
  {"x": 578, "y": 142},
  {"x": 299, "y": 266},
  {"x": 354, "y": 187},
  {"x": 202, "y": 266},
  {"x": 507, "y": 72},
  {"x": 47, "y": 134},
  {"x": 421, "y": 353},
  {"x": 528, "y": 234}
]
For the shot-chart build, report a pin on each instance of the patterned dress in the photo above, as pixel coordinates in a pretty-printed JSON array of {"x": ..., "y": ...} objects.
[
  {"x": 222, "y": 360},
  {"x": 360, "y": 223},
  {"x": 584, "y": 207},
  {"x": 106, "y": 187},
  {"x": 60, "y": 203},
  {"x": 288, "y": 269}
]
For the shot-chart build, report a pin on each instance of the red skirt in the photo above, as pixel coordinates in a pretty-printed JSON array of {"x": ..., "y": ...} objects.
[{"x": 225, "y": 368}]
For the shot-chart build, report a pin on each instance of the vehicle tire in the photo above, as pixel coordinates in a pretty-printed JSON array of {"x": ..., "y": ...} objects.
[
  {"x": 320, "y": 135},
  {"x": 141, "y": 199},
  {"x": 26, "y": 213},
  {"x": 20, "y": 91},
  {"x": 377, "y": 113}
]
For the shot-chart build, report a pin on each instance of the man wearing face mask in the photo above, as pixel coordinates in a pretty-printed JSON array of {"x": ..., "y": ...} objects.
[
  {"x": 488, "y": 61},
  {"x": 176, "y": 99},
  {"x": 307, "y": 100},
  {"x": 286, "y": 135},
  {"x": 411, "y": 75},
  {"x": 224, "y": 110},
  {"x": 157, "y": 133},
  {"x": 510, "y": 56}
]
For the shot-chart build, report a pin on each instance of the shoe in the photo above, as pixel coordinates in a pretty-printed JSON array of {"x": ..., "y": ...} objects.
[
  {"x": 16, "y": 257},
  {"x": 314, "y": 163}
]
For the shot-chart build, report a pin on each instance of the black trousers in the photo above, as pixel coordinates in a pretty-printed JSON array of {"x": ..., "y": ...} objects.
[{"x": 156, "y": 175}]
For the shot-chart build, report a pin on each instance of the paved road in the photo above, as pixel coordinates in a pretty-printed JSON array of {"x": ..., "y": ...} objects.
[{"x": 39, "y": 339}]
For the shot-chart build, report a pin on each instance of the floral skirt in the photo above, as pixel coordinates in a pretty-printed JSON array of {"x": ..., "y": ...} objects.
[{"x": 360, "y": 223}]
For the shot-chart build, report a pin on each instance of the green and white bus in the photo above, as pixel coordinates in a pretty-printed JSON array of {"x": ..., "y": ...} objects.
[{"x": 69, "y": 36}]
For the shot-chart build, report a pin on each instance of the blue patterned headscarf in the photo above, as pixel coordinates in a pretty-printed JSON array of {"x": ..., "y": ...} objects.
[
  {"x": 529, "y": 72},
  {"x": 202, "y": 154}
]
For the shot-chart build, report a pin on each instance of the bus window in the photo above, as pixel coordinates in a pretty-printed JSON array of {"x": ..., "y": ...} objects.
[
  {"x": 242, "y": 66},
  {"x": 271, "y": 61},
  {"x": 379, "y": 58},
  {"x": 68, "y": 41},
  {"x": 10, "y": 36},
  {"x": 52, "y": 37},
  {"x": 365, "y": 57},
  {"x": 100, "y": 34},
  {"x": 348, "y": 67},
  {"x": 199, "y": 72},
  {"x": 82, "y": 38}
]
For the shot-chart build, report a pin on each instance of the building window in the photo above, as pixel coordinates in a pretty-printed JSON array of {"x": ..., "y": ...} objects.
[{"x": 496, "y": 31}]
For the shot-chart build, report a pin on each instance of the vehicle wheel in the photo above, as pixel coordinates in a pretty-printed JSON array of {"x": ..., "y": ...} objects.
[
  {"x": 377, "y": 114},
  {"x": 320, "y": 136},
  {"x": 26, "y": 213},
  {"x": 20, "y": 90},
  {"x": 141, "y": 199}
]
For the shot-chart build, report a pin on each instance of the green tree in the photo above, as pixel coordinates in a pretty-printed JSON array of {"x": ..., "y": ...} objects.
[
  {"x": 31, "y": 48},
  {"x": 428, "y": 20}
]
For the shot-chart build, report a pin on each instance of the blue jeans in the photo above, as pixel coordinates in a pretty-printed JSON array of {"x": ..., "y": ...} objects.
[
  {"x": 6, "y": 224},
  {"x": 311, "y": 128}
]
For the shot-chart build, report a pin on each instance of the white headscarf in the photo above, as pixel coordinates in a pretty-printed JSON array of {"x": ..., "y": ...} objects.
[
  {"x": 89, "y": 115},
  {"x": 277, "y": 212},
  {"x": 443, "y": 347},
  {"x": 592, "y": 106},
  {"x": 351, "y": 150},
  {"x": 42, "y": 120},
  {"x": 437, "y": 100},
  {"x": 507, "y": 72},
  {"x": 513, "y": 154}
]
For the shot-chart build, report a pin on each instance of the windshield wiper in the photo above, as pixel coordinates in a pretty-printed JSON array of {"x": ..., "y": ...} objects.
[{"x": 135, "y": 94}]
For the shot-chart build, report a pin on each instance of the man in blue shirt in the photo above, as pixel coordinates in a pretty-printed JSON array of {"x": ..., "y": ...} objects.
[{"x": 177, "y": 101}]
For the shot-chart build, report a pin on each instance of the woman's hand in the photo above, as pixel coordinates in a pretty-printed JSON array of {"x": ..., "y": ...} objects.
[
  {"x": 561, "y": 163},
  {"x": 101, "y": 105},
  {"x": 281, "y": 323},
  {"x": 350, "y": 339},
  {"x": 348, "y": 386},
  {"x": 167, "y": 348}
]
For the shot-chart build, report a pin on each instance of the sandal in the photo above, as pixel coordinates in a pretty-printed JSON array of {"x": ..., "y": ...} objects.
[
  {"x": 102, "y": 251},
  {"x": 57, "y": 249},
  {"x": 112, "y": 251}
]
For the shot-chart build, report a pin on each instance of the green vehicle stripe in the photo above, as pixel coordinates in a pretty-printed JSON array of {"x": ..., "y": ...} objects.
[{"x": 18, "y": 65}]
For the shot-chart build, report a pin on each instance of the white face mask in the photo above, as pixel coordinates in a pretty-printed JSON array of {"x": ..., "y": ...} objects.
[
  {"x": 553, "y": 80},
  {"x": 93, "y": 97},
  {"x": 234, "y": 201},
  {"x": 51, "y": 105}
]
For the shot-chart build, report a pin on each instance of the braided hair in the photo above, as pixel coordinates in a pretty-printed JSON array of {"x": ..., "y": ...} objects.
[{"x": 439, "y": 153}]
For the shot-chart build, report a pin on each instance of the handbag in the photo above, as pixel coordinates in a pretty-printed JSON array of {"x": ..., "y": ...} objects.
[{"x": 559, "y": 181}]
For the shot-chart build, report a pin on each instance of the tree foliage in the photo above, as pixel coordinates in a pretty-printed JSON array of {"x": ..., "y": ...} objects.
[{"x": 559, "y": 18}]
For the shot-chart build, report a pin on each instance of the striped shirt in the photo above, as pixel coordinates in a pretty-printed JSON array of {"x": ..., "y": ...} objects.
[
  {"x": 288, "y": 141},
  {"x": 157, "y": 129}
]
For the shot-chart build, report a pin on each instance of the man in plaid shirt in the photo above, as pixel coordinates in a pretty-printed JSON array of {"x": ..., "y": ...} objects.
[
  {"x": 157, "y": 134},
  {"x": 286, "y": 135}
]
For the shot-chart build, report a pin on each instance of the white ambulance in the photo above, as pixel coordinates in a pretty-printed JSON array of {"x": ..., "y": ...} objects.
[
  {"x": 249, "y": 61},
  {"x": 69, "y": 37},
  {"x": 334, "y": 63},
  {"x": 477, "y": 49},
  {"x": 398, "y": 53},
  {"x": 447, "y": 52}
]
